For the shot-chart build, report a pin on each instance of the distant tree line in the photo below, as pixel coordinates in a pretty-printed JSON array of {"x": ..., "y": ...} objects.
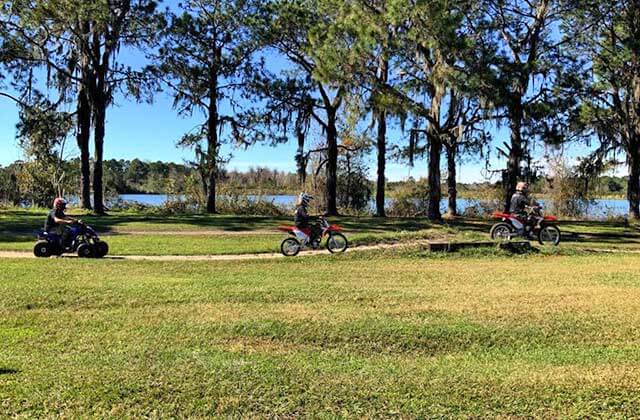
[
  {"x": 135, "y": 176},
  {"x": 446, "y": 73}
]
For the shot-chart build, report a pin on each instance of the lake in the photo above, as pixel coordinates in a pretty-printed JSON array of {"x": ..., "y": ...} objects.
[{"x": 598, "y": 210}]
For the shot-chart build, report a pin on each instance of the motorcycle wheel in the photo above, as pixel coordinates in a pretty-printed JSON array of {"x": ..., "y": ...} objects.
[
  {"x": 85, "y": 251},
  {"x": 290, "y": 247},
  {"x": 101, "y": 249},
  {"x": 42, "y": 249},
  {"x": 549, "y": 235},
  {"x": 337, "y": 242},
  {"x": 501, "y": 232}
]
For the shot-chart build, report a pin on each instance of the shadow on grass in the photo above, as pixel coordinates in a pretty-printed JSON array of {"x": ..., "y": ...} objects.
[{"x": 8, "y": 371}]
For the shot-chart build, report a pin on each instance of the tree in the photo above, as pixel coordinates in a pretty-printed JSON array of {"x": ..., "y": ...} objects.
[
  {"x": 76, "y": 44},
  {"x": 42, "y": 134},
  {"x": 205, "y": 58},
  {"x": 102, "y": 32},
  {"x": 425, "y": 46},
  {"x": 362, "y": 69},
  {"x": 608, "y": 34},
  {"x": 519, "y": 59},
  {"x": 293, "y": 28}
]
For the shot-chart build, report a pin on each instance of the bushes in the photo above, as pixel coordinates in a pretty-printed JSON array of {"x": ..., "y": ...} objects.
[
  {"x": 567, "y": 192},
  {"x": 409, "y": 200}
]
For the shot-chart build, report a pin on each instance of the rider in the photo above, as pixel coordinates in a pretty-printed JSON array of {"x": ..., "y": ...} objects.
[
  {"x": 57, "y": 221},
  {"x": 520, "y": 201},
  {"x": 302, "y": 219}
]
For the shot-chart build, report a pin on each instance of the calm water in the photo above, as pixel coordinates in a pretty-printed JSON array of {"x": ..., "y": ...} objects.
[{"x": 599, "y": 209}]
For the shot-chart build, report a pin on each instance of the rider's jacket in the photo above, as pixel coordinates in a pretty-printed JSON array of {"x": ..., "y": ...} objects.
[
  {"x": 50, "y": 224},
  {"x": 519, "y": 202},
  {"x": 301, "y": 217}
]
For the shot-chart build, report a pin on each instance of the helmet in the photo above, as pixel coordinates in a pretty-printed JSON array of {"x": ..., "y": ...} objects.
[
  {"x": 60, "y": 203},
  {"x": 522, "y": 187},
  {"x": 304, "y": 199}
]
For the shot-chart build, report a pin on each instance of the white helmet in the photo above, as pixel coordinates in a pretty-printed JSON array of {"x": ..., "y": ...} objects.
[{"x": 304, "y": 199}]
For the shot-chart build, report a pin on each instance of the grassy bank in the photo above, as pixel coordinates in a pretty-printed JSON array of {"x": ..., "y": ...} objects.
[{"x": 350, "y": 336}]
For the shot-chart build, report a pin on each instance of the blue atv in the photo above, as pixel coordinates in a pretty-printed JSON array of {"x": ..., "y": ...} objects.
[{"x": 83, "y": 240}]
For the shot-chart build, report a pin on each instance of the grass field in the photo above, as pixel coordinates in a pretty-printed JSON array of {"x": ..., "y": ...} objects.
[
  {"x": 140, "y": 234},
  {"x": 359, "y": 335}
]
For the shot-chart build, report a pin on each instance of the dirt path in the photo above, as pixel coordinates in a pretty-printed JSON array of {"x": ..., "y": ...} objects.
[
  {"x": 190, "y": 232},
  {"x": 230, "y": 257}
]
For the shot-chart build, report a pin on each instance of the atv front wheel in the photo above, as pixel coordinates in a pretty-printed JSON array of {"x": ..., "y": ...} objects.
[
  {"x": 85, "y": 251},
  {"x": 100, "y": 249},
  {"x": 43, "y": 249}
]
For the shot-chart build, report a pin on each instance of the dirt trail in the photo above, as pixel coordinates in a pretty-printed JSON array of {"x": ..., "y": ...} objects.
[
  {"x": 190, "y": 232},
  {"x": 230, "y": 257}
]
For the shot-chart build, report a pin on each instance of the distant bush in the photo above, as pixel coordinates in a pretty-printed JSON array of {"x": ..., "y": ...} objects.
[
  {"x": 487, "y": 200},
  {"x": 409, "y": 200},
  {"x": 567, "y": 192},
  {"x": 254, "y": 205}
]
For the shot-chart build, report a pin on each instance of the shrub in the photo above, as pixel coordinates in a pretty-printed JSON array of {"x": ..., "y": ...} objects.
[
  {"x": 568, "y": 193},
  {"x": 409, "y": 200}
]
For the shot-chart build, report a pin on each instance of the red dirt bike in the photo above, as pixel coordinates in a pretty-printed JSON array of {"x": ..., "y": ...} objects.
[
  {"x": 545, "y": 230},
  {"x": 300, "y": 239}
]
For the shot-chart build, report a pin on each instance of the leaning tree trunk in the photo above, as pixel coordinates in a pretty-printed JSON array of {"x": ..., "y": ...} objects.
[
  {"x": 512, "y": 175},
  {"x": 331, "y": 192},
  {"x": 382, "y": 161},
  {"x": 452, "y": 187}
]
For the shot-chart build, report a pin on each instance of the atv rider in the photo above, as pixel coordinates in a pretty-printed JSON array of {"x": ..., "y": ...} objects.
[
  {"x": 58, "y": 222},
  {"x": 302, "y": 219},
  {"x": 520, "y": 202}
]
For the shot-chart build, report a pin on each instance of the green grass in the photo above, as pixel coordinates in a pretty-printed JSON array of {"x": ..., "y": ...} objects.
[
  {"x": 361, "y": 335},
  {"x": 140, "y": 234}
]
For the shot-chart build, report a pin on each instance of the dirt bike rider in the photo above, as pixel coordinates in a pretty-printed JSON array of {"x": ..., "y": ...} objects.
[
  {"x": 302, "y": 219},
  {"x": 58, "y": 222},
  {"x": 520, "y": 202}
]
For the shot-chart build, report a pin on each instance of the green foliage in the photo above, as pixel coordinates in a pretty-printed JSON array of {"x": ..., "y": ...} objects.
[
  {"x": 354, "y": 187},
  {"x": 42, "y": 133},
  {"x": 411, "y": 199},
  {"x": 568, "y": 192}
]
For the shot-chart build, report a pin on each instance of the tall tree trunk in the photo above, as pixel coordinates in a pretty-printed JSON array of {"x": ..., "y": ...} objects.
[
  {"x": 452, "y": 187},
  {"x": 212, "y": 133},
  {"x": 512, "y": 175},
  {"x": 434, "y": 177},
  {"x": 82, "y": 138},
  {"x": 382, "y": 162},
  {"x": 98, "y": 189},
  {"x": 435, "y": 151},
  {"x": 633, "y": 185},
  {"x": 382, "y": 144},
  {"x": 331, "y": 192},
  {"x": 301, "y": 159},
  {"x": 83, "y": 135}
]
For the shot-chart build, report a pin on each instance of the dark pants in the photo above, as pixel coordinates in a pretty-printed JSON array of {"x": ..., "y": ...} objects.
[{"x": 65, "y": 235}]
